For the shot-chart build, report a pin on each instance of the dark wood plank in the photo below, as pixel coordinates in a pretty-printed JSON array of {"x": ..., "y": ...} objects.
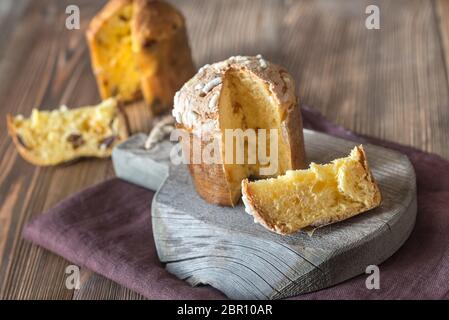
[{"x": 391, "y": 83}]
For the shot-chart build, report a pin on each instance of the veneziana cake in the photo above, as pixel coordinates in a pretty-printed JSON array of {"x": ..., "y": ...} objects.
[
  {"x": 321, "y": 195},
  {"x": 239, "y": 93},
  {"x": 140, "y": 48},
  {"x": 52, "y": 137}
]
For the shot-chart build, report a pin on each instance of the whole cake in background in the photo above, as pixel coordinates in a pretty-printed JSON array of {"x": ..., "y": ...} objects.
[
  {"x": 321, "y": 195},
  {"x": 239, "y": 93},
  {"x": 139, "y": 48}
]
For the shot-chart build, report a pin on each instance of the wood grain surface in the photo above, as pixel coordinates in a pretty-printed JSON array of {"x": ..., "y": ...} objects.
[{"x": 390, "y": 83}]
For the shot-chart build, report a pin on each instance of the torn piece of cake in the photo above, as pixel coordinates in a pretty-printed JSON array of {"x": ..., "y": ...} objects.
[
  {"x": 57, "y": 136},
  {"x": 320, "y": 195}
]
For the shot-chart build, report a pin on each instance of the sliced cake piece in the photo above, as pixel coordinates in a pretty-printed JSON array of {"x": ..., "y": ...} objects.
[
  {"x": 321, "y": 195},
  {"x": 52, "y": 137}
]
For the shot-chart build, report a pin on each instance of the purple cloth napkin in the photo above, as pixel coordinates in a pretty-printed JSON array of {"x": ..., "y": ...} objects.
[{"x": 107, "y": 228}]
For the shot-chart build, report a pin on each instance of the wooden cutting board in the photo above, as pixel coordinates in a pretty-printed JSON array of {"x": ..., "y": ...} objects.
[{"x": 223, "y": 247}]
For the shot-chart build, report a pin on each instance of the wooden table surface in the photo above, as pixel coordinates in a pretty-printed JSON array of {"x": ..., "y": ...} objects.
[{"x": 390, "y": 83}]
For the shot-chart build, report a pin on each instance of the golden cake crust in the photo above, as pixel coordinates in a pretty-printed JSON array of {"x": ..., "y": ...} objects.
[
  {"x": 264, "y": 218},
  {"x": 258, "y": 213},
  {"x": 109, "y": 10},
  {"x": 23, "y": 151}
]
